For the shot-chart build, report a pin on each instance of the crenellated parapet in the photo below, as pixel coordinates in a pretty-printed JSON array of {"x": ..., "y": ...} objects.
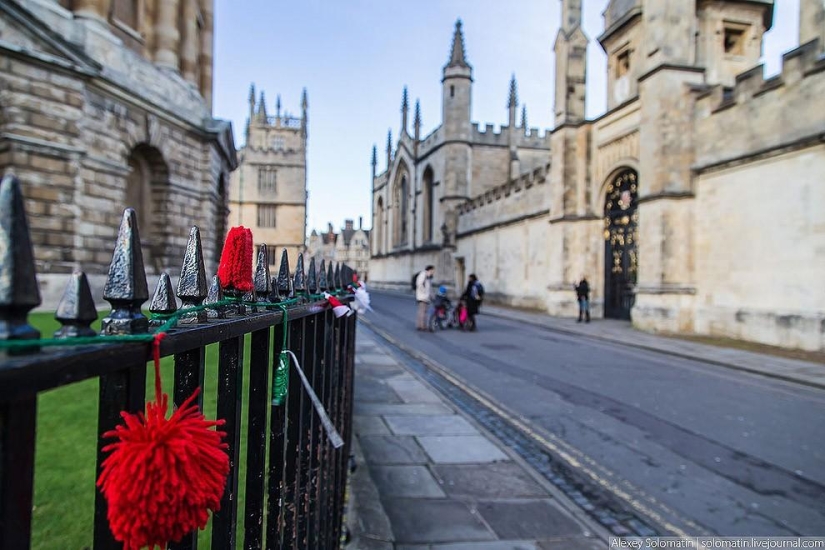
[
  {"x": 505, "y": 190},
  {"x": 486, "y": 135},
  {"x": 759, "y": 115},
  {"x": 519, "y": 199}
]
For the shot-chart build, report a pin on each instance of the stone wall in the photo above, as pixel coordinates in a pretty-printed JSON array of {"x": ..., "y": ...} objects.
[
  {"x": 768, "y": 287},
  {"x": 501, "y": 236},
  {"x": 72, "y": 135}
]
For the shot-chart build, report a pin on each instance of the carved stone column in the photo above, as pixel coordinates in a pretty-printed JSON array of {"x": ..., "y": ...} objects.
[
  {"x": 167, "y": 35},
  {"x": 93, "y": 9},
  {"x": 190, "y": 46},
  {"x": 206, "y": 46}
]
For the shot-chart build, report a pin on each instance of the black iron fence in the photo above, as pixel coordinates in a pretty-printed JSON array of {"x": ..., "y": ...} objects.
[{"x": 295, "y": 478}]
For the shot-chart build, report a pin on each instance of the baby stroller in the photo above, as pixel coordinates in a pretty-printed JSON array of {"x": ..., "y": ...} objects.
[
  {"x": 441, "y": 315},
  {"x": 459, "y": 317}
]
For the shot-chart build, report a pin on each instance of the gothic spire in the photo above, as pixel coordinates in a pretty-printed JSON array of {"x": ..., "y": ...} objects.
[
  {"x": 374, "y": 157},
  {"x": 405, "y": 107},
  {"x": 457, "y": 56},
  {"x": 262, "y": 106},
  {"x": 513, "y": 100},
  {"x": 389, "y": 148},
  {"x": 251, "y": 99},
  {"x": 278, "y": 106},
  {"x": 524, "y": 116},
  {"x": 417, "y": 115},
  {"x": 304, "y": 113}
]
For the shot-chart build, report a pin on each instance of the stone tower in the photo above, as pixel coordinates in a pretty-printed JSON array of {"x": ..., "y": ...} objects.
[
  {"x": 571, "y": 65},
  {"x": 268, "y": 191},
  {"x": 568, "y": 215},
  {"x": 456, "y": 90}
]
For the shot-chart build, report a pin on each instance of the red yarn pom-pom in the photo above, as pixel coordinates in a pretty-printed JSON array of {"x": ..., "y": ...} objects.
[
  {"x": 163, "y": 476},
  {"x": 235, "y": 268}
]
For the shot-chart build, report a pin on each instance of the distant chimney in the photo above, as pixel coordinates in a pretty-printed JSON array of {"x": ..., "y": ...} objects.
[
  {"x": 329, "y": 228},
  {"x": 360, "y": 222},
  {"x": 348, "y": 225}
]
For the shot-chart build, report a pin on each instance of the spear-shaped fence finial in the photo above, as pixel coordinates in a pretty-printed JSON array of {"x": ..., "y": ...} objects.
[
  {"x": 19, "y": 292},
  {"x": 76, "y": 310},
  {"x": 126, "y": 287}
]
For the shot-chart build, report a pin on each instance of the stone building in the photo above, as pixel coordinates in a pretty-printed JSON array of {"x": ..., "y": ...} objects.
[
  {"x": 694, "y": 204},
  {"x": 106, "y": 104},
  {"x": 351, "y": 246},
  {"x": 268, "y": 192}
]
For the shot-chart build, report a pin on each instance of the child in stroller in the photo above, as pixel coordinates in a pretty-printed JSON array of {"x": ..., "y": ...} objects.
[
  {"x": 442, "y": 310},
  {"x": 459, "y": 317}
]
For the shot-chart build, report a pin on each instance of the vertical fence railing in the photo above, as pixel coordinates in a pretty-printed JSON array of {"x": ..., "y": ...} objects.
[{"x": 294, "y": 488}]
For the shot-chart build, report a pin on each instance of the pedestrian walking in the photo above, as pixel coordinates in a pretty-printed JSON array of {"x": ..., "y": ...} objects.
[
  {"x": 583, "y": 297},
  {"x": 473, "y": 295},
  {"x": 423, "y": 296}
]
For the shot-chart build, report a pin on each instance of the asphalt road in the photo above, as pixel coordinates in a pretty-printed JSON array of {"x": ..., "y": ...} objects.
[{"x": 715, "y": 451}]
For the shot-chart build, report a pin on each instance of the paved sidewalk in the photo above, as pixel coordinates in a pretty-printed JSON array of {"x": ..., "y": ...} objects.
[
  {"x": 622, "y": 332},
  {"x": 428, "y": 478}
]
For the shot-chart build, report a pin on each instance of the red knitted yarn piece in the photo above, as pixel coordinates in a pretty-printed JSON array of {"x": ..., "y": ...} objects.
[
  {"x": 235, "y": 268},
  {"x": 163, "y": 476}
]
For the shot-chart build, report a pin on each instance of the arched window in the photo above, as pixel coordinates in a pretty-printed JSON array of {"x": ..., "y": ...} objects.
[
  {"x": 400, "y": 208},
  {"x": 139, "y": 191},
  {"x": 427, "y": 219},
  {"x": 405, "y": 194},
  {"x": 146, "y": 188}
]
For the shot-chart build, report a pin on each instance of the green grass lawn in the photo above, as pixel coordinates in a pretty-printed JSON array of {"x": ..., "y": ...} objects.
[{"x": 64, "y": 485}]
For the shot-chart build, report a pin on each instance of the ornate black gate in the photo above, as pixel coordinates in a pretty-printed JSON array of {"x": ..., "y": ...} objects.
[{"x": 620, "y": 233}]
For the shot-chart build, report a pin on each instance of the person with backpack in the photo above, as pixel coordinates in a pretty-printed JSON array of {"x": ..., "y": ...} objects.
[
  {"x": 473, "y": 296},
  {"x": 423, "y": 295}
]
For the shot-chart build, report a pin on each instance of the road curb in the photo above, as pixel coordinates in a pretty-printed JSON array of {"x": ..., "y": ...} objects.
[{"x": 672, "y": 353}]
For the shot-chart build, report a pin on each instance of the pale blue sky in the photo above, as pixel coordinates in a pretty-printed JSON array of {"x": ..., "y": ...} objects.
[{"x": 355, "y": 56}]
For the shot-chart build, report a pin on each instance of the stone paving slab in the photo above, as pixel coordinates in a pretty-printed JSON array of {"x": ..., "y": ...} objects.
[
  {"x": 430, "y": 425},
  {"x": 369, "y": 425},
  {"x": 406, "y": 481},
  {"x": 532, "y": 518},
  {"x": 370, "y": 390},
  {"x": 460, "y": 449},
  {"x": 487, "y": 481},
  {"x": 390, "y": 449},
  {"x": 378, "y": 372},
  {"x": 413, "y": 391},
  {"x": 375, "y": 359},
  {"x": 366, "y": 514},
  {"x": 404, "y": 409},
  {"x": 421, "y": 520}
]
